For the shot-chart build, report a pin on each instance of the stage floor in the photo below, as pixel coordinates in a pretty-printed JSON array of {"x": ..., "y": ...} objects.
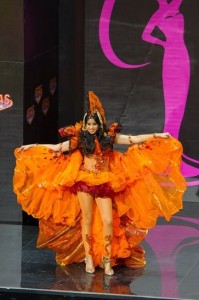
[{"x": 172, "y": 270}]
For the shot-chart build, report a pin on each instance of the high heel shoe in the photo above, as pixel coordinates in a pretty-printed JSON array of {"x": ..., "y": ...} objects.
[
  {"x": 89, "y": 265},
  {"x": 106, "y": 264}
]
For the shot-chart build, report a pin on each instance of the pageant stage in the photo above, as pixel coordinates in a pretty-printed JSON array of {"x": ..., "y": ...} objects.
[{"x": 172, "y": 270}]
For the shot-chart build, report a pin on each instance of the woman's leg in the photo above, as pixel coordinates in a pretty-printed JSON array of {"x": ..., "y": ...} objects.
[
  {"x": 86, "y": 205},
  {"x": 105, "y": 208}
]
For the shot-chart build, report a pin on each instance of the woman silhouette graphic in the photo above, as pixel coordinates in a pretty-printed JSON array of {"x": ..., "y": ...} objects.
[{"x": 176, "y": 67}]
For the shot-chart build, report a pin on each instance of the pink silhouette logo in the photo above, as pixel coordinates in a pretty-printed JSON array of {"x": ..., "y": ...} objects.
[{"x": 175, "y": 66}]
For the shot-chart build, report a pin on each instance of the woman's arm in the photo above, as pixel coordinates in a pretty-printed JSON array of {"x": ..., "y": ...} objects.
[
  {"x": 62, "y": 147},
  {"x": 136, "y": 139}
]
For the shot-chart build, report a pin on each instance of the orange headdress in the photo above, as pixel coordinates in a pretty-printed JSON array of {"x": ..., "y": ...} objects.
[{"x": 95, "y": 106}]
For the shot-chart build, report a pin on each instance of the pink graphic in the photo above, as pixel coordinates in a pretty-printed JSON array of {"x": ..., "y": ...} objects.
[
  {"x": 166, "y": 242},
  {"x": 176, "y": 64},
  {"x": 105, "y": 37},
  {"x": 176, "y": 67}
]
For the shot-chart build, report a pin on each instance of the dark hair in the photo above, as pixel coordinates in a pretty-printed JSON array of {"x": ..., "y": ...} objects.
[{"x": 87, "y": 140}]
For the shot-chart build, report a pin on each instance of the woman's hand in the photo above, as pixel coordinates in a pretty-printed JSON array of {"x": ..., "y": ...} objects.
[
  {"x": 26, "y": 147},
  {"x": 61, "y": 147},
  {"x": 163, "y": 135}
]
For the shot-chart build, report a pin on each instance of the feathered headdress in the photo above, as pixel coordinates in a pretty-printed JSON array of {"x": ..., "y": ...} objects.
[{"x": 94, "y": 106}]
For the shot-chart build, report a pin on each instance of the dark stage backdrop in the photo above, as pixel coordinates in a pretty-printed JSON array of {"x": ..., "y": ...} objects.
[
  {"x": 41, "y": 56},
  {"x": 11, "y": 83},
  {"x": 71, "y": 61},
  {"x": 28, "y": 86},
  {"x": 142, "y": 60}
]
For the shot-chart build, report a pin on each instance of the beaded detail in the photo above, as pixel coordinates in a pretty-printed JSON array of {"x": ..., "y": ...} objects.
[{"x": 130, "y": 140}]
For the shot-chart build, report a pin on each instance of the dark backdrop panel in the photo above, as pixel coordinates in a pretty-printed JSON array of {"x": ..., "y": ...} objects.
[
  {"x": 41, "y": 125},
  {"x": 40, "y": 27},
  {"x": 135, "y": 97},
  {"x": 11, "y": 30},
  {"x": 71, "y": 61},
  {"x": 11, "y": 136},
  {"x": 11, "y": 82},
  {"x": 41, "y": 70}
]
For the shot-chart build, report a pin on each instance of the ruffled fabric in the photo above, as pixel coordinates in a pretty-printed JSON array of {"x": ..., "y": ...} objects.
[{"x": 146, "y": 181}]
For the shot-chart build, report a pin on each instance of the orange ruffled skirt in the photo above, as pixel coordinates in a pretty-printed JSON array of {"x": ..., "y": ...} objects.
[{"x": 146, "y": 181}]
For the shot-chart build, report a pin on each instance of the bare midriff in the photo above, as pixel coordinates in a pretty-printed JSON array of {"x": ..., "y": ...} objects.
[{"x": 96, "y": 162}]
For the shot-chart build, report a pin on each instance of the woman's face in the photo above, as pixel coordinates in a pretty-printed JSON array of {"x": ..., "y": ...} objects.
[{"x": 92, "y": 126}]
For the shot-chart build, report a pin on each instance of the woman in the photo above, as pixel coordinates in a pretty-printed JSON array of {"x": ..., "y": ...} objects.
[{"x": 59, "y": 183}]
